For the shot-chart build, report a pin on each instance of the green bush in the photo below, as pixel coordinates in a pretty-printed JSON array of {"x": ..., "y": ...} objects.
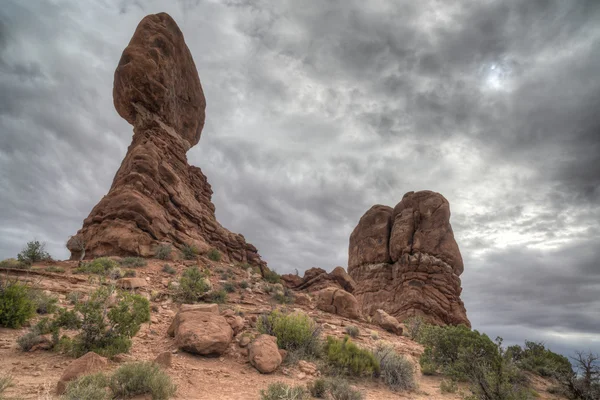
[
  {"x": 318, "y": 388},
  {"x": 347, "y": 358},
  {"x": 89, "y": 387},
  {"x": 28, "y": 340},
  {"x": 446, "y": 347},
  {"x": 16, "y": 306},
  {"x": 244, "y": 285},
  {"x": 229, "y": 287},
  {"x": 115, "y": 273},
  {"x": 99, "y": 266},
  {"x": 168, "y": 269},
  {"x": 352, "y": 331},
  {"x": 43, "y": 326},
  {"x": 13, "y": 263},
  {"x": 396, "y": 371},
  {"x": 448, "y": 386},
  {"x": 189, "y": 252},
  {"x": 109, "y": 332},
  {"x": 340, "y": 389},
  {"x": 282, "y": 391},
  {"x": 67, "y": 319},
  {"x": 163, "y": 251},
  {"x": 192, "y": 285},
  {"x": 536, "y": 358},
  {"x": 55, "y": 269},
  {"x": 272, "y": 277},
  {"x": 33, "y": 252},
  {"x": 130, "y": 273},
  {"x": 142, "y": 378},
  {"x": 133, "y": 262},
  {"x": 74, "y": 297},
  {"x": 44, "y": 303},
  {"x": 218, "y": 296},
  {"x": 214, "y": 255},
  {"x": 294, "y": 332}
]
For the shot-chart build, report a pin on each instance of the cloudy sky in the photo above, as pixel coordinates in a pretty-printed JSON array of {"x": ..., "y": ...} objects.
[{"x": 318, "y": 110}]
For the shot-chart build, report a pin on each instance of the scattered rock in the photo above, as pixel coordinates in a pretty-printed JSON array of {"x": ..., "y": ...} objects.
[
  {"x": 338, "y": 301},
  {"x": 302, "y": 299},
  {"x": 244, "y": 341},
  {"x": 84, "y": 365},
  {"x": 164, "y": 359},
  {"x": 235, "y": 322},
  {"x": 264, "y": 354},
  {"x": 387, "y": 322},
  {"x": 308, "y": 368},
  {"x": 131, "y": 283}
]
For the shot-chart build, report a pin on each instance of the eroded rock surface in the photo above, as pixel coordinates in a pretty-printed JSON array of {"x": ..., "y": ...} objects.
[
  {"x": 339, "y": 302},
  {"x": 316, "y": 279},
  {"x": 406, "y": 262},
  {"x": 264, "y": 354},
  {"x": 156, "y": 197}
]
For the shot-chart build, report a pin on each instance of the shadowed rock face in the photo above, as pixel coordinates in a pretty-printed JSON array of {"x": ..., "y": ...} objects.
[
  {"x": 156, "y": 197},
  {"x": 406, "y": 262}
]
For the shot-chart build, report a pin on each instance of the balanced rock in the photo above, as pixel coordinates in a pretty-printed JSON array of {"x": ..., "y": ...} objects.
[
  {"x": 84, "y": 365},
  {"x": 264, "y": 354},
  {"x": 406, "y": 262},
  {"x": 156, "y": 197},
  {"x": 339, "y": 302},
  {"x": 201, "y": 330}
]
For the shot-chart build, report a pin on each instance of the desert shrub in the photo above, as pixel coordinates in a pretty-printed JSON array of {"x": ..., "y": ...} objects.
[
  {"x": 318, "y": 388},
  {"x": 28, "y": 340},
  {"x": 13, "y": 263},
  {"x": 5, "y": 383},
  {"x": 109, "y": 332},
  {"x": 43, "y": 326},
  {"x": 163, "y": 251},
  {"x": 536, "y": 358},
  {"x": 115, "y": 273},
  {"x": 55, "y": 269},
  {"x": 244, "y": 285},
  {"x": 218, "y": 296},
  {"x": 189, "y": 252},
  {"x": 294, "y": 332},
  {"x": 89, "y": 387},
  {"x": 133, "y": 262},
  {"x": 67, "y": 319},
  {"x": 74, "y": 297},
  {"x": 272, "y": 277},
  {"x": 352, "y": 331},
  {"x": 282, "y": 391},
  {"x": 396, "y": 371},
  {"x": 16, "y": 306},
  {"x": 347, "y": 358},
  {"x": 374, "y": 335},
  {"x": 33, "y": 252},
  {"x": 99, "y": 266},
  {"x": 446, "y": 348},
  {"x": 214, "y": 255},
  {"x": 229, "y": 287},
  {"x": 448, "y": 386},
  {"x": 142, "y": 378},
  {"x": 44, "y": 303},
  {"x": 284, "y": 297},
  {"x": 192, "y": 285},
  {"x": 413, "y": 326},
  {"x": 340, "y": 389},
  {"x": 130, "y": 273},
  {"x": 168, "y": 269}
]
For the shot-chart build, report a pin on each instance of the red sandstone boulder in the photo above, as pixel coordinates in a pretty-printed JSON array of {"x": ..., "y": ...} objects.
[
  {"x": 156, "y": 197},
  {"x": 420, "y": 274},
  {"x": 84, "y": 365},
  {"x": 200, "y": 330},
  {"x": 387, "y": 322},
  {"x": 339, "y": 302},
  {"x": 264, "y": 354}
]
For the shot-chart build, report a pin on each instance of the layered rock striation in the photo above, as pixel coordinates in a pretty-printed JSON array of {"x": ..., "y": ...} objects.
[
  {"x": 156, "y": 197},
  {"x": 406, "y": 262}
]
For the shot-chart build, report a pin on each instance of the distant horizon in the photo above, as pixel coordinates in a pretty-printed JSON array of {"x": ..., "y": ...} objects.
[{"x": 317, "y": 111}]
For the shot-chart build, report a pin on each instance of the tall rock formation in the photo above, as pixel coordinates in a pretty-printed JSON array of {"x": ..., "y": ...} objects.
[
  {"x": 156, "y": 197},
  {"x": 405, "y": 260}
]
